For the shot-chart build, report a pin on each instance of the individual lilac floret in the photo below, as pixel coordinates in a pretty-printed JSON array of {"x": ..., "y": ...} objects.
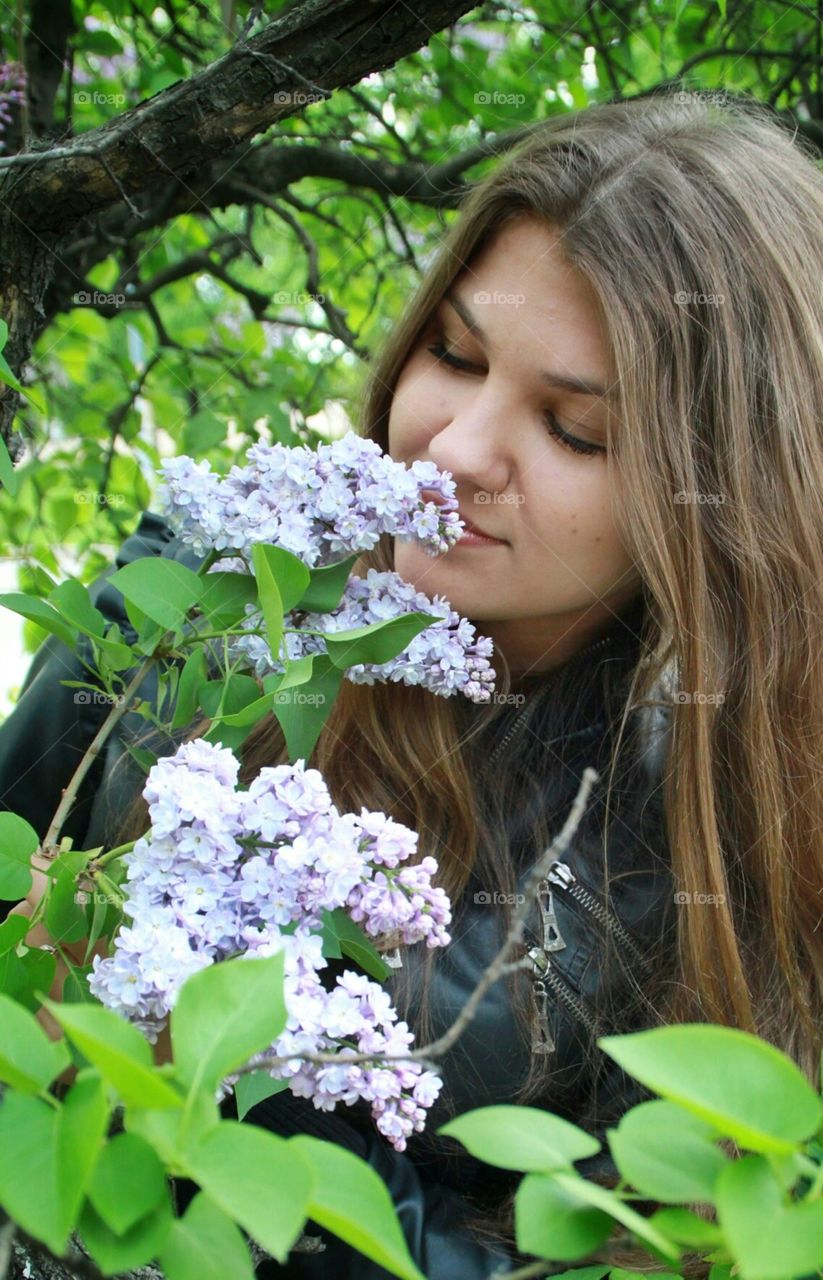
[
  {"x": 444, "y": 658},
  {"x": 320, "y": 504},
  {"x": 224, "y": 872}
]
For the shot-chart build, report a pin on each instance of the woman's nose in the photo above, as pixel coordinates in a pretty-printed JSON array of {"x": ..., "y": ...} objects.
[{"x": 474, "y": 446}]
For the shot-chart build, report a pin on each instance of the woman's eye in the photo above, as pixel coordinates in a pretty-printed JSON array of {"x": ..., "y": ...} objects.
[
  {"x": 571, "y": 442},
  {"x": 442, "y": 353}
]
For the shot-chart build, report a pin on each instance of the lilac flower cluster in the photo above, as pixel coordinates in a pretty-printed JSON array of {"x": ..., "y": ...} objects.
[
  {"x": 321, "y": 504},
  {"x": 445, "y": 657},
  {"x": 224, "y": 872},
  {"x": 12, "y": 89}
]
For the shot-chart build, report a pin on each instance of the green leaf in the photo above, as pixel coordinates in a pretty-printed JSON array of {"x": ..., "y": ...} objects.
[
  {"x": 205, "y": 1245},
  {"x": 326, "y": 586},
  {"x": 18, "y": 841},
  {"x": 28, "y": 1185},
  {"x": 350, "y": 1199},
  {"x": 553, "y": 1223},
  {"x": 224, "y": 596},
  {"x": 22, "y": 974},
  {"x": 202, "y": 432},
  {"x": 271, "y": 602},
  {"x": 302, "y": 723},
  {"x": 769, "y": 1240},
  {"x": 76, "y": 987},
  {"x": 73, "y": 602},
  {"x": 29, "y": 1059},
  {"x": 377, "y": 643},
  {"x": 687, "y": 1228},
  {"x": 258, "y": 1179},
  {"x": 135, "y": 1248},
  {"x": 667, "y": 1152},
  {"x": 7, "y": 376},
  {"x": 742, "y": 1085},
  {"x": 13, "y": 930},
  {"x": 9, "y": 478},
  {"x": 65, "y": 912},
  {"x": 168, "y": 1132},
  {"x": 222, "y": 698},
  {"x": 83, "y": 1119},
  {"x": 254, "y": 1087},
  {"x": 524, "y": 1138},
  {"x": 119, "y": 1051},
  {"x": 354, "y": 943},
  {"x": 583, "y": 1273},
  {"x": 600, "y": 1198},
  {"x": 43, "y": 614},
  {"x": 224, "y": 1015},
  {"x": 163, "y": 590},
  {"x": 191, "y": 677},
  {"x": 128, "y": 1182},
  {"x": 619, "y": 1273}
]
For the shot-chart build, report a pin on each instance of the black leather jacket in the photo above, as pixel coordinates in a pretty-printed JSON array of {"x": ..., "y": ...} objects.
[{"x": 546, "y": 742}]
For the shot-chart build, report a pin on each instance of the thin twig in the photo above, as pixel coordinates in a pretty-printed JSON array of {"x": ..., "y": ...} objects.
[
  {"x": 48, "y": 847},
  {"x": 500, "y": 965}
]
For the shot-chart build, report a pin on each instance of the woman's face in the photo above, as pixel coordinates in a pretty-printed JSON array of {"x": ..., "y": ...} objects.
[{"x": 559, "y": 573}]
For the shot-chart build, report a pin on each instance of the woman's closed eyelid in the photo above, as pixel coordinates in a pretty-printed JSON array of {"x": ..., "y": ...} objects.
[{"x": 458, "y": 364}]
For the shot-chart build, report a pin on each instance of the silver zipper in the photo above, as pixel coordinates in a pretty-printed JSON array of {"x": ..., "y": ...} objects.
[
  {"x": 513, "y": 727},
  {"x": 560, "y": 873},
  {"x": 545, "y": 974},
  {"x": 552, "y": 937}
]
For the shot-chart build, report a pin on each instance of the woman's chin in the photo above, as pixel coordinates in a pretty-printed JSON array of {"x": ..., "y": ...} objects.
[{"x": 433, "y": 575}]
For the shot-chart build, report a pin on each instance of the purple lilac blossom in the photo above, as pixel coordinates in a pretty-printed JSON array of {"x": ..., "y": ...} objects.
[
  {"x": 224, "y": 872},
  {"x": 12, "y": 90},
  {"x": 445, "y": 657},
  {"x": 320, "y": 504}
]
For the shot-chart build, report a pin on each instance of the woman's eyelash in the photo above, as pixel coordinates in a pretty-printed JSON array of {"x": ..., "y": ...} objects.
[{"x": 442, "y": 353}]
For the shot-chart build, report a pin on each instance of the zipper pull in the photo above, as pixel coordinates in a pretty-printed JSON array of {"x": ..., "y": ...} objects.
[
  {"x": 542, "y": 1041},
  {"x": 552, "y": 937},
  {"x": 561, "y": 873}
]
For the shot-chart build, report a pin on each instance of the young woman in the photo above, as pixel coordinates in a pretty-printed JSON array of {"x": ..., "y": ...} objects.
[{"x": 618, "y": 354}]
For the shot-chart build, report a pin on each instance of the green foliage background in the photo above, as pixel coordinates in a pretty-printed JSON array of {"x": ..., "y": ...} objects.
[{"x": 217, "y": 336}]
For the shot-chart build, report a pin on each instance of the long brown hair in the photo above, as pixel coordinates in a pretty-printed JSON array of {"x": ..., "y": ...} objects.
[{"x": 700, "y": 226}]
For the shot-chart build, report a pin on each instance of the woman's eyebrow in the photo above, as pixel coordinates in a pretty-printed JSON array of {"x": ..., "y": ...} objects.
[{"x": 562, "y": 381}]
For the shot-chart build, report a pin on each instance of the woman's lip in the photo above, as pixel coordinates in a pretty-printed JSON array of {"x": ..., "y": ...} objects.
[{"x": 472, "y": 528}]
